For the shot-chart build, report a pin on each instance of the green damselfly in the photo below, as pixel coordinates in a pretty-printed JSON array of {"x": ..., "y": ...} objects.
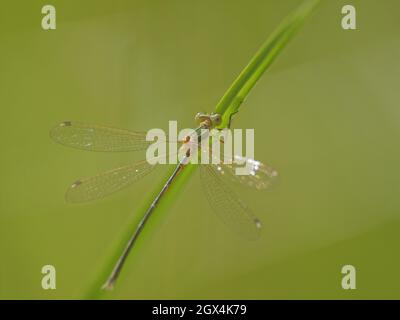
[{"x": 228, "y": 207}]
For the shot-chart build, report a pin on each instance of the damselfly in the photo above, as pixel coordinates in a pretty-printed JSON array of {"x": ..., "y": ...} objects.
[{"x": 228, "y": 207}]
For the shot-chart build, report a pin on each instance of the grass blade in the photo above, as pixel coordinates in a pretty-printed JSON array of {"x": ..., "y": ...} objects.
[{"x": 233, "y": 98}]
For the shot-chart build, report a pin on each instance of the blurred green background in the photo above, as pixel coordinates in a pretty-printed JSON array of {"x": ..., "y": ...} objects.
[{"x": 326, "y": 115}]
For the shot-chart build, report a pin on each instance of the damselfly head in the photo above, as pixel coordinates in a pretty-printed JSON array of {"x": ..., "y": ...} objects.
[{"x": 209, "y": 120}]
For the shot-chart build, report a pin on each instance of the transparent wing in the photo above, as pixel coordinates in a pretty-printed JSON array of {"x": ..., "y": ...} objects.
[
  {"x": 228, "y": 207},
  {"x": 95, "y": 137},
  {"x": 108, "y": 182},
  {"x": 247, "y": 171},
  {"x": 258, "y": 175}
]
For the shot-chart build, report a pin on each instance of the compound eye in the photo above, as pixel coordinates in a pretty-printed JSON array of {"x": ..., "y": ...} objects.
[{"x": 217, "y": 119}]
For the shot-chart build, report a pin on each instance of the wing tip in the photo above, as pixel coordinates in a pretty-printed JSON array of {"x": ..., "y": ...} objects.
[
  {"x": 54, "y": 131},
  {"x": 69, "y": 195},
  {"x": 257, "y": 223}
]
